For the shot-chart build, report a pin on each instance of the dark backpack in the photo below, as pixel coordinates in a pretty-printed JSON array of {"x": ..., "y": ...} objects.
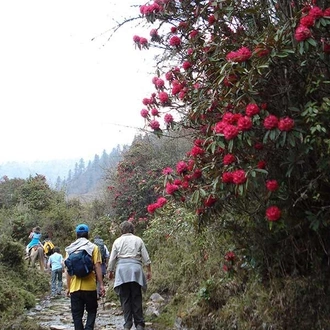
[
  {"x": 100, "y": 243},
  {"x": 79, "y": 263}
]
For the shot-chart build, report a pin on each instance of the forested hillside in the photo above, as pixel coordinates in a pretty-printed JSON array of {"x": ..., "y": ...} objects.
[{"x": 76, "y": 177}]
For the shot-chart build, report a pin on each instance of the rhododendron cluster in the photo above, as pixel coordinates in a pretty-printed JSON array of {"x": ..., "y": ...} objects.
[
  {"x": 245, "y": 92},
  {"x": 241, "y": 55}
]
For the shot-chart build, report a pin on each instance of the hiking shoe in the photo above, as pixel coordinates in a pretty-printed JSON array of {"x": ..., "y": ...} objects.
[{"x": 139, "y": 327}]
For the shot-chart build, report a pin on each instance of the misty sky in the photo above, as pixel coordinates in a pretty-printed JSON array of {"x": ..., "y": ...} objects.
[{"x": 63, "y": 95}]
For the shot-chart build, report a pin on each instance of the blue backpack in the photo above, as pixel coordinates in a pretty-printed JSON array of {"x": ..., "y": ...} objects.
[{"x": 79, "y": 263}]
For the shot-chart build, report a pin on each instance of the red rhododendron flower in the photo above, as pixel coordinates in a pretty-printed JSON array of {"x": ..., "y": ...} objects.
[
  {"x": 230, "y": 132},
  {"x": 239, "y": 176},
  {"x": 252, "y": 109},
  {"x": 161, "y": 201},
  {"x": 271, "y": 122},
  {"x": 227, "y": 177},
  {"x": 286, "y": 124},
  {"x": 241, "y": 55},
  {"x": 136, "y": 39},
  {"x": 146, "y": 101},
  {"x": 273, "y": 213},
  {"x": 197, "y": 174},
  {"x": 316, "y": 12},
  {"x": 174, "y": 29},
  {"x": 185, "y": 184},
  {"x": 143, "y": 41},
  {"x": 219, "y": 127},
  {"x": 159, "y": 83},
  {"x": 211, "y": 19},
  {"x": 244, "y": 123},
  {"x": 163, "y": 97},
  {"x": 181, "y": 167},
  {"x": 152, "y": 207},
  {"x": 154, "y": 79},
  {"x": 175, "y": 41},
  {"x": 154, "y": 124},
  {"x": 229, "y": 117},
  {"x": 230, "y": 256},
  {"x": 229, "y": 159},
  {"x": 271, "y": 185},
  {"x": 171, "y": 188},
  {"x": 261, "y": 164},
  {"x": 177, "y": 182},
  {"x": 326, "y": 12},
  {"x": 196, "y": 151},
  {"x": 169, "y": 75},
  {"x": 193, "y": 34},
  {"x": 186, "y": 65},
  {"x": 198, "y": 142},
  {"x": 210, "y": 201},
  {"x": 168, "y": 118},
  {"x": 176, "y": 89},
  {"x": 167, "y": 171},
  {"x": 183, "y": 25},
  {"x": 144, "y": 113},
  {"x": 153, "y": 33},
  {"x": 154, "y": 112},
  {"x": 307, "y": 21},
  {"x": 302, "y": 33}
]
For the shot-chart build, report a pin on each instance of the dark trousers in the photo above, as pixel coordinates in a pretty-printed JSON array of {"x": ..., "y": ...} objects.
[
  {"x": 130, "y": 295},
  {"x": 81, "y": 300}
]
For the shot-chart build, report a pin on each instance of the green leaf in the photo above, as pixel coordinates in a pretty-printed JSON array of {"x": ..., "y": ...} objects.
[
  {"x": 230, "y": 145},
  {"x": 312, "y": 42}
]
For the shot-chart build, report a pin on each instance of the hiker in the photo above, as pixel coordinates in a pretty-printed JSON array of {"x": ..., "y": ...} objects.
[
  {"x": 35, "y": 236},
  {"x": 82, "y": 288},
  {"x": 128, "y": 255},
  {"x": 56, "y": 264},
  {"x": 105, "y": 254}
]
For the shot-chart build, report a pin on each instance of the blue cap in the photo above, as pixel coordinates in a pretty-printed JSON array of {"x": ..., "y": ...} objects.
[{"x": 82, "y": 228}]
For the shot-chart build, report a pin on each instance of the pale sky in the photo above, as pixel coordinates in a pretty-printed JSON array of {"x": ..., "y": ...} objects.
[{"x": 63, "y": 95}]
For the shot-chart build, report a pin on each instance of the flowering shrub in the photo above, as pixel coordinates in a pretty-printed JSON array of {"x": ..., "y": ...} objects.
[{"x": 248, "y": 92}]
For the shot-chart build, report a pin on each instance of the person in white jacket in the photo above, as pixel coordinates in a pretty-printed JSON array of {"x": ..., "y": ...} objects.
[{"x": 128, "y": 255}]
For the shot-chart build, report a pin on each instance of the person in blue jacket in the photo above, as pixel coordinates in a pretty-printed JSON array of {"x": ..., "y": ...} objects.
[{"x": 35, "y": 236}]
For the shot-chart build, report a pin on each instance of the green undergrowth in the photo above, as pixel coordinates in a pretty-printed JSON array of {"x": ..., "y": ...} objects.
[
  {"x": 19, "y": 286},
  {"x": 203, "y": 290}
]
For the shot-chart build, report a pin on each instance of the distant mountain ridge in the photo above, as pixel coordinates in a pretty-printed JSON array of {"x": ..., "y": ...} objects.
[
  {"x": 76, "y": 177},
  {"x": 51, "y": 169}
]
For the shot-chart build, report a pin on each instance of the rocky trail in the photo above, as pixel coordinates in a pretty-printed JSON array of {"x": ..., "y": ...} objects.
[{"x": 55, "y": 314}]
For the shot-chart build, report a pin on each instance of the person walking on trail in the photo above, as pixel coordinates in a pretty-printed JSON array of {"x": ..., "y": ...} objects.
[
  {"x": 56, "y": 264},
  {"x": 35, "y": 236},
  {"x": 82, "y": 288},
  {"x": 105, "y": 254},
  {"x": 128, "y": 255}
]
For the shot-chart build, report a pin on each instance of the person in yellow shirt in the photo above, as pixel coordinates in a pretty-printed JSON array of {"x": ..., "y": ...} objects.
[{"x": 82, "y": 290}]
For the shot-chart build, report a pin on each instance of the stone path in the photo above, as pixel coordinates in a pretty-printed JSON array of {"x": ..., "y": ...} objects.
[{"x": 55, "y": 314}]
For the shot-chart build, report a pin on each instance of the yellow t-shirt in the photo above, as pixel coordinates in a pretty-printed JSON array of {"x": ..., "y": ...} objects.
[{"x": 87, "y": 283}]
